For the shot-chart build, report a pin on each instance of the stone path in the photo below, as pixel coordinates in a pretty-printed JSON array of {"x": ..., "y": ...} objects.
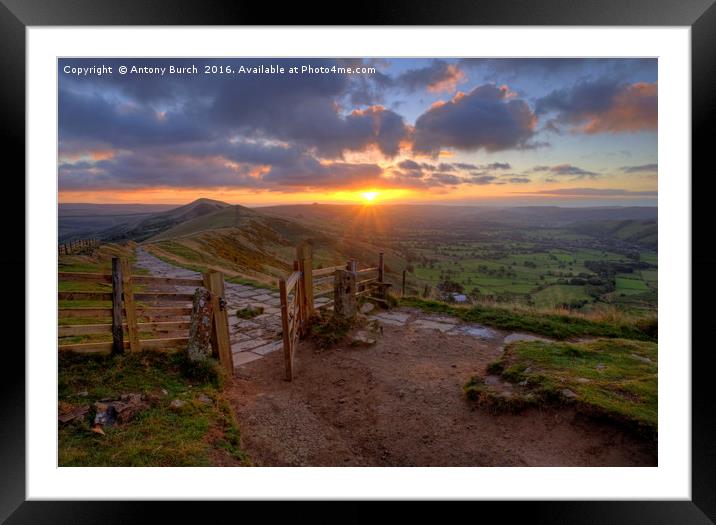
[
  {"x": 448, "y": 325},
  {"x": 251, "y": 339}
]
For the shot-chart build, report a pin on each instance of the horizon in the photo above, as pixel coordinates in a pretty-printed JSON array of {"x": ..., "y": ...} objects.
[
  {"x": 578, "y": 132},
  {"x": 372, "y": 205}
]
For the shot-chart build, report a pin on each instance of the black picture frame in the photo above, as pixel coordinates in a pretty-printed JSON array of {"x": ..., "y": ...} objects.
[{"x": 17, "y": 15}]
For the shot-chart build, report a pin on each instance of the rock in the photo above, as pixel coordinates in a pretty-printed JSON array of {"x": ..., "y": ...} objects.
[
  {"x": 566, "y": 392},
  {"x": 105, "y": 414},
  {"x": 199, "y": 346},
  {"x": 582, "y": 380},
  {"x": 177, "y": 404},
  {"x": 362, "y": 338},
  {"x": 601, "y": 366},
  {"x": 641, "y": 358},
  {"x": 367, "y": 308},
  {"x": 84, "y": 393},
  {"x": 164, "y": 392},
  {"x": 68, "y": 413},
  {"x": 204, "y": 399},
  {"x": 119, "y": 411},
  {"x": 492, "y": 380}
]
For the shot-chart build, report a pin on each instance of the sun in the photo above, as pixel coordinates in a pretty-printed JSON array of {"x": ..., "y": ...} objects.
[{"x": 369, "y": 196}]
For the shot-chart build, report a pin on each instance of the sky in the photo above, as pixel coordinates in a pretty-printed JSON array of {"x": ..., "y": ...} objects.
[{"x": 499, "y": 131}]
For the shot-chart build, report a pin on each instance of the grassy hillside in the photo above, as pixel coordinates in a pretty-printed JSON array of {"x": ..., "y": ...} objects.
[
  {"x": 159, "y": 222},
  {"x": 250, "y": 245}
]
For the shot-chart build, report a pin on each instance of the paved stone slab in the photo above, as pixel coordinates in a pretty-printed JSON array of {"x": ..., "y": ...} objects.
[
  {"x": 427, "y": 324},
  {"x": 522, "y": 337},
  {"x": 395, "y": 317},
  {"x": 242, "y": 358},
  {"x": 268, "y": 348},
  {"x": 481, "y": 332},
  {"x": 249, "y": 344}
]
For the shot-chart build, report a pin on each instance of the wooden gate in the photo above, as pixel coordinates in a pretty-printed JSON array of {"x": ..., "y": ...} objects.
[
  {"x": 299, "y": 289},
  {"x": 292, "y": 296},
  {"x": 137, "y": 319}
]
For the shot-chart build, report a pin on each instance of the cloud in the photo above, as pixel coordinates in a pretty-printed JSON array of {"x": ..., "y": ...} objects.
[
  {"x": 566, "y": 170},
  {"x": 594, "y": 192},
  {"x": 483, "y": 179},
  {"x": 438, "y": 76},
  {"x": 603, "y": 106},
  {"x": 644, "y": 168},
  {"x": 519, "y": 180},
  {"x": 489, "y": 118}
]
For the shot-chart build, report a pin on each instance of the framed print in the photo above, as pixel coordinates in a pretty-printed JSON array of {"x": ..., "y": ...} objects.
[{"x": 301, "y": 258}]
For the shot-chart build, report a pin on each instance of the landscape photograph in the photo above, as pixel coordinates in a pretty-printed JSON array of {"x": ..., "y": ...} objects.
[{"x": 349, "y": 262}]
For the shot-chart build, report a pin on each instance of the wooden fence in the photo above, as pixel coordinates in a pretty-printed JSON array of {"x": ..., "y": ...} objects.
[
  {"x": 68, "y": 248},
  {"x": 300, "y": 289},
  {"x": 141, "y": 319}
]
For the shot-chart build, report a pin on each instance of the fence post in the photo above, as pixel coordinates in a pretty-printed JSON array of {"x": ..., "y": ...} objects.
[
  {"x": 344, "y": 294},
  {"x": 402, "y": 294},
  {"x": 129, "y": 306},
  {"x": 214, "y": 282},
  {"x": 381, "y": 267},
  {"x": 117, "y": 329},
  {"x": 305, "y": 266},
  {"x": 287, "y": 350}
]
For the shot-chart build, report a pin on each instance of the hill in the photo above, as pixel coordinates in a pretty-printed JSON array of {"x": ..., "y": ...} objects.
[
  {"x": 159, "y": 222},
  {"x": 247, "y": 244}
]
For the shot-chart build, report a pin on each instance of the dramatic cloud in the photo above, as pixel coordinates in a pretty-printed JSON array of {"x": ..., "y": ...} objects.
[
  {"x": 603, "y": 106},
  {"x": 436, "y": 77},
  {"x": 566, "y": 170},
  {"x": 644, "y": 168},
  {"x": 489, "y": 118}
]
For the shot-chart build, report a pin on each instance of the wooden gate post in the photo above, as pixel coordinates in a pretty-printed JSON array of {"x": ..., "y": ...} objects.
[
  {"x": 214, "y": 282},
  {"x": 285, "y": 329},
  {"x": 129, "y": 306},
  {"x": 381, "y": 267},
  {"x": 304, "y": 256},
  {"x": 117, "y": 328}
]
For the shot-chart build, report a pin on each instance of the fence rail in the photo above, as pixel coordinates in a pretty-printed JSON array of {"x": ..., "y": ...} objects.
[
  {"x": 67, "y": 248},
  {"x": 139, "y": 319}
]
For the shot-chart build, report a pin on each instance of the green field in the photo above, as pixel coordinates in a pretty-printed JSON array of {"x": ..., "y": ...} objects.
[
  {"x": 559, "y": 294},
  {"x": 538, "y": 269}
]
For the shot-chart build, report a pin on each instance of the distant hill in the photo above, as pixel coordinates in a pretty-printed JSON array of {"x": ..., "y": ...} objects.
[
  {"x": 644, "y": 233},
  {"x": 157, "y": 223},
  {"x": 77, "y": 220}
]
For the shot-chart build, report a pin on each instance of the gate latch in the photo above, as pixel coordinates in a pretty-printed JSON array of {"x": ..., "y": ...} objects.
[{"x": 222, "y": 304}]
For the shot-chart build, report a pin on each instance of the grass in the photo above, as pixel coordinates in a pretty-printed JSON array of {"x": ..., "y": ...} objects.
[
  {"x": 249, "y": 312},
  {"x": 616, "y": 378},
  {"x": 555, "y": 325},
  {"x": 197, "y": 434}
]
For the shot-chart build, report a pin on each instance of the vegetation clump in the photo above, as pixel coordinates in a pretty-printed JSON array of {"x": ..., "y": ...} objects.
[
  {"x": 202, "y": 433},
  {"x": 615, "y": 378},
  {"x": 249, "y": 312},
  {"x": 327, "y": 330},
  {"x": 556, "y": 325}
]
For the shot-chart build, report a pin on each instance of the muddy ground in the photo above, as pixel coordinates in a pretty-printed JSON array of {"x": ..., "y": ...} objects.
[{"x": 400, "y": 403}]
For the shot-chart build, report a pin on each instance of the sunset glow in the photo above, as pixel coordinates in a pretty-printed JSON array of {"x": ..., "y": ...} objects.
[
  {"x": 422, "y": 130},
  {"x": 369, "y": 196}
]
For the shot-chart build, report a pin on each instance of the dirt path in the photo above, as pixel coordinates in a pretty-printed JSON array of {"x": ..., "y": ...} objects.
[{"x": 400, "y": 403}]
